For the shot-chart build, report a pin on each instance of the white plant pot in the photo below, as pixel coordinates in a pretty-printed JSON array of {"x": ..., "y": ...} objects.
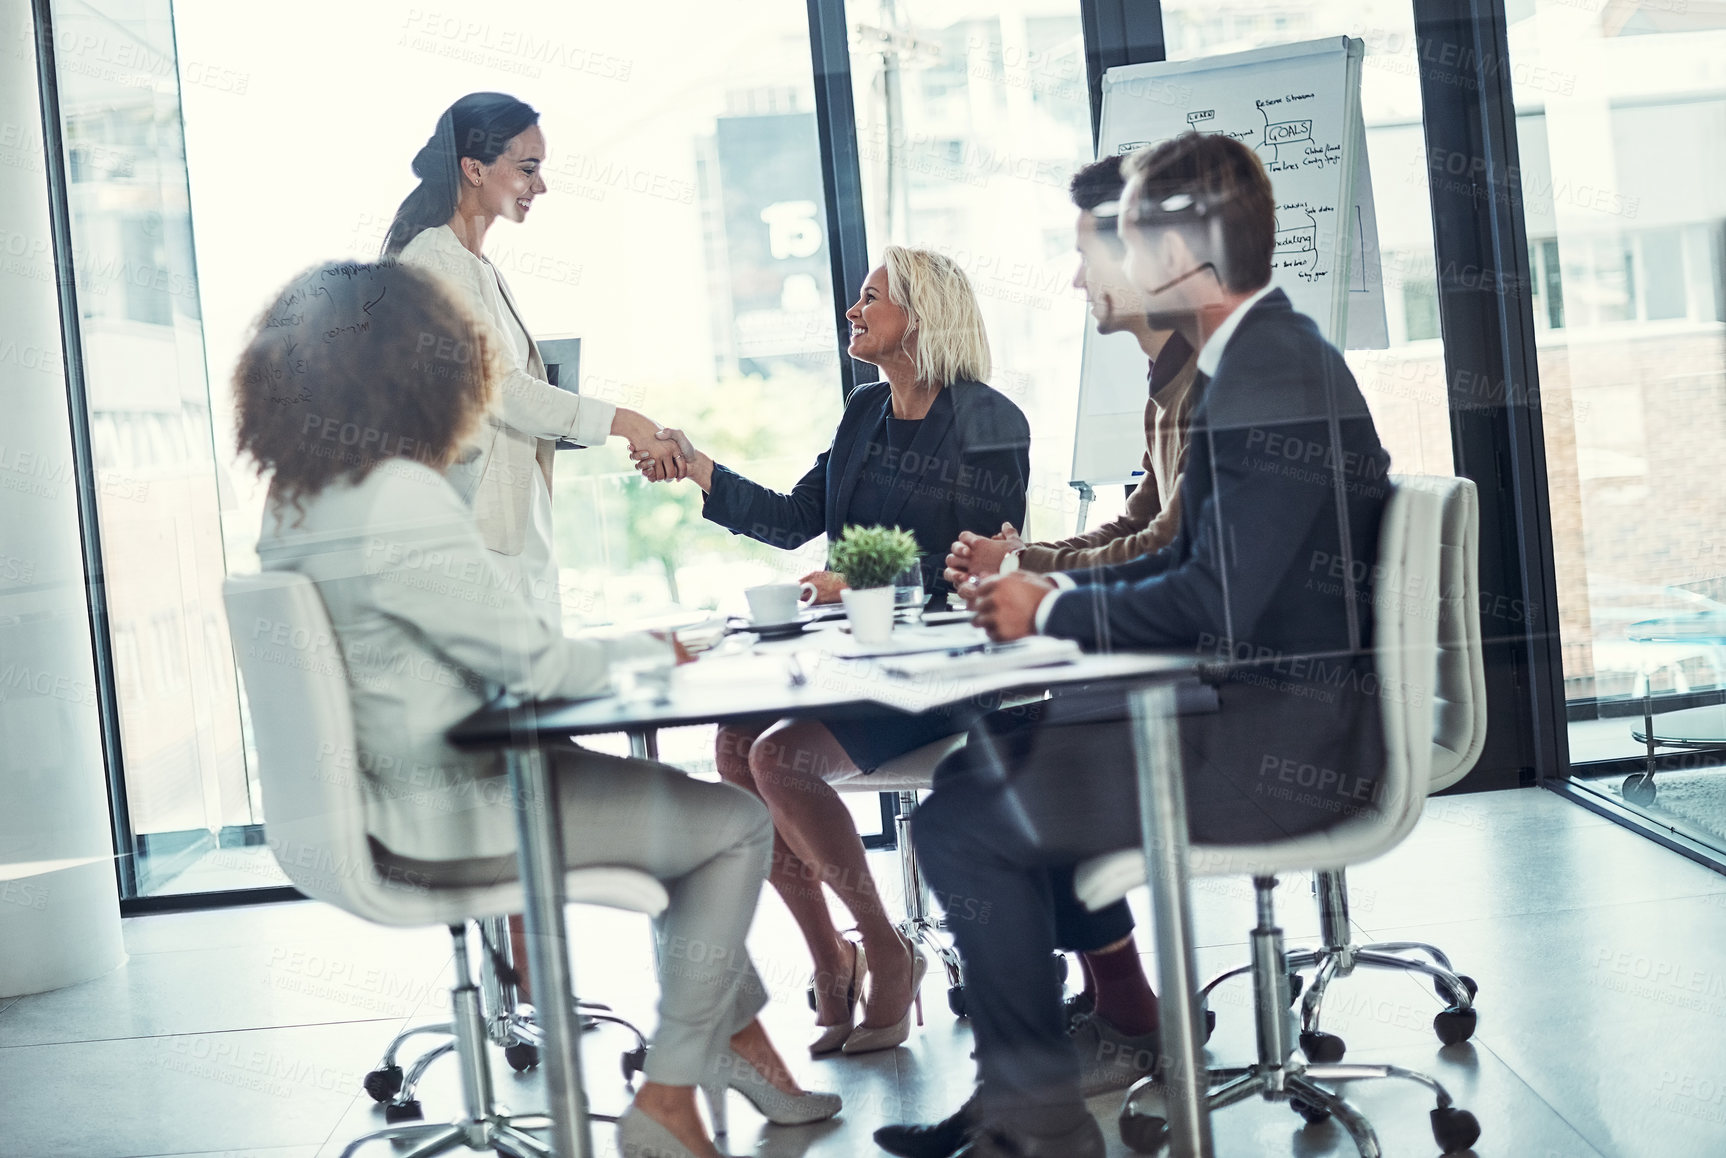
[{"x": 871, "y": 614}]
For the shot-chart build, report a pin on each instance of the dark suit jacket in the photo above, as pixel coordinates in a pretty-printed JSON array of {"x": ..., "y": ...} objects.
[
  {"x": 965, "y": 471},
  {"x": 1255, "y": 581}
]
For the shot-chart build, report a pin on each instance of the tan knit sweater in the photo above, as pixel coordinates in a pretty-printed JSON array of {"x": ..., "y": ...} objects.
[{"x": 1153, "y": 511}]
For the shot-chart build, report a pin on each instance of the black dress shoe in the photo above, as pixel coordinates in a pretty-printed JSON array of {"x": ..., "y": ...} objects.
[
  {"x": 941, "y": 1140},
  {"x": 991, "y": 1141},
  {"x": 1076, "y": 1008}
]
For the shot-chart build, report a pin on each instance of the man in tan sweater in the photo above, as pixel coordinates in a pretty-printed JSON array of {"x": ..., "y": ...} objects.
[{"x": 1153, "y": 509}]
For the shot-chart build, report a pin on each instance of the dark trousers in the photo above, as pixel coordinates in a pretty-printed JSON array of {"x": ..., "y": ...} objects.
[
  {"x": 1008, "y": 912},
  {"x": 1036, "y": 791}
]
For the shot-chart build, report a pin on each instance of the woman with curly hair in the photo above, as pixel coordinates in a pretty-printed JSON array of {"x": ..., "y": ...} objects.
[{"x": 356, "y": 391}]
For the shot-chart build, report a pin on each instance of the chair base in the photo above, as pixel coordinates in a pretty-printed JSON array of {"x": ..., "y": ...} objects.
[
  {"x": 1339, "y": 957},
  {"x": 508, "y": 1024},
  {"x": 1277, "y": 1077},
  {"x": 1454, "y": 1130},
  {"x": 497, "y": 1133},
  {"x": 486, "y": 1125}
]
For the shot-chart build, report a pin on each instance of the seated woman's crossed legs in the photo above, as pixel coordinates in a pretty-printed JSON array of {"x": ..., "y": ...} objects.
[{"x": 792, "y": 766}]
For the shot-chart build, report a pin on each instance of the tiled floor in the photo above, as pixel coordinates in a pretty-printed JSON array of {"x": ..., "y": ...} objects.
[{"x": 1601, "y": 960}]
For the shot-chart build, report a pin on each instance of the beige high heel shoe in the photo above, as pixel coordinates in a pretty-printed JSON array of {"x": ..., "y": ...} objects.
[
  {"x": 732, "y": 1071},
  {"x": 864, "y": 1039},
  {"x": 832, "y": 1037}
]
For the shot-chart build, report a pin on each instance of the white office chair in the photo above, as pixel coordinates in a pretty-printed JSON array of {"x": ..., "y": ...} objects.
[
  {"x": 1458, "y": 735},
  {"x": 906, "y": 776},
  {"x": 1407, "y": 615},
  {"x": 314, "y": 807}
]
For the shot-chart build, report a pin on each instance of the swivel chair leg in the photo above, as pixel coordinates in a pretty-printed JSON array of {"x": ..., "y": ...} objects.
[
  {"x": 919, "y": 927},
  {"x": 1327, "y": 1104}
]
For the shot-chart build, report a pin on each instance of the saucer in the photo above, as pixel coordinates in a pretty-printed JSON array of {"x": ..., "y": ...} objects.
[{"x": 771, "y": 631}]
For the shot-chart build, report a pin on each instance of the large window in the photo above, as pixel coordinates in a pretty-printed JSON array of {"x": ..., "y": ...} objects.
[
  {"x": 1621, "y": 117},
  {"x": 971, "y": 118},
  {"x": 1404, "y": 384},
  {"x": 682, "y": 241}
]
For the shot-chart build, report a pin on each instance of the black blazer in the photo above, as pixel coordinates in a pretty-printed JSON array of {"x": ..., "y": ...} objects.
[
  {"x": 1255, "y": 581},
  {"x": 965, "y": 471},
  {"x": 1256, "y": 568}
]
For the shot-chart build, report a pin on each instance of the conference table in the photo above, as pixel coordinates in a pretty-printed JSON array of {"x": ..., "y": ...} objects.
[{"x": 822, "y": 674}]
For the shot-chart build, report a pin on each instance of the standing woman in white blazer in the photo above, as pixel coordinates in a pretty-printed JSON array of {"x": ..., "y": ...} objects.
[{"x": 483, "y": 163}]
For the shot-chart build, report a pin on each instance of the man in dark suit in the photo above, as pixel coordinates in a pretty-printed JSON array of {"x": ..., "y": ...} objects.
[{"x": 1268, "y": 579}]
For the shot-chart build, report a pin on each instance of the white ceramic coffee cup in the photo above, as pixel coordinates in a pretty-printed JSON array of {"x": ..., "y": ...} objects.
[{"x": 774, "y": 603}]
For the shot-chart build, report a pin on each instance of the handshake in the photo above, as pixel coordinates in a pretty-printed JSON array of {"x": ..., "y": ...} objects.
[
  {"x": 985, "y": 572},
  {"x": 663, "y": 454}
]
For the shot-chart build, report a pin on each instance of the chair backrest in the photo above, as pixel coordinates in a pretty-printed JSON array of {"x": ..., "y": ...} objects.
[
  {"x": 308, "y": 765},
  {"x": 1459, "y": 694},
  {"x": 1426, "y": 607},
  {"x": 1406, "y": 613}
]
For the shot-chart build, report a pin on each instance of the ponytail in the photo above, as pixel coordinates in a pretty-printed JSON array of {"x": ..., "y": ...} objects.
[{"x": 479, "y": 125}]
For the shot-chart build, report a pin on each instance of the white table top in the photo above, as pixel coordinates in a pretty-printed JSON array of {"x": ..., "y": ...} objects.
[{"x": 744, "y": 677}]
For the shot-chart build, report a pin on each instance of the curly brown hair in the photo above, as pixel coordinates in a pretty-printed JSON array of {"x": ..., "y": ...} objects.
[{"x": 357, "y": 363}]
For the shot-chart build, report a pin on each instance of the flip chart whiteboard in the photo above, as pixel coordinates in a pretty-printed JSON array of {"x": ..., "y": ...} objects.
[{"x": 1298, "y": 106}]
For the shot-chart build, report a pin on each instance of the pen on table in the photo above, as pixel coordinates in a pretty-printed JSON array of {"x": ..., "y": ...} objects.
[{"x": 984, "y": 648}]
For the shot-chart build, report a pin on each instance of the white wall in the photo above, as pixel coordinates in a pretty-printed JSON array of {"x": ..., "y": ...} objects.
[{"x": 59, "y": 913}]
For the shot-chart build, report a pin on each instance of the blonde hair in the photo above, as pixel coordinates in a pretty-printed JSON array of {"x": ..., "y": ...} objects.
[{"x": 931, "y": 288}]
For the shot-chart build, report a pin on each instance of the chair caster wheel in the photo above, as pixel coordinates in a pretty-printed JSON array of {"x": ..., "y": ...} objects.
[
  {"x": 1143, "y": 1133},
  {"x": 1467, "y": 983},
  {"x": 1210, "y": 1024},
  {"x": 408, "y": 1111},
  {"x": 810, "y": 993},
  {"x": 956, "y": 1000},
  {"x": 1454, "y": 1130},
  {"x": 1454, "y": 1025},
  {"x": 1296, "y": 984},
  {"x": 634, "y": 1061},
  {"x": 1061, "y": 967},
  {"x": 1638, "y": 788},
  {"x": 1313, "y": 1114},
  {"x": 521, "y": 1056},
  {"x": 383, "y": 1084},
  {"x": 1323, "y": 1047}
]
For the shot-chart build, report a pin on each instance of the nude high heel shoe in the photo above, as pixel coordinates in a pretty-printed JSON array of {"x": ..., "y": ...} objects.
[
  {"x": 732, "y": 1071},
  {"x": 832, "y": 1037},
  {"x": 864, "y": 1039},
  {"x": 641, "y": 1136}
]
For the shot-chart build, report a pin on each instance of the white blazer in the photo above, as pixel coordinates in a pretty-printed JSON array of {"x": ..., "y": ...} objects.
[
  {"x": 517, "y": 439},
  {"x": 431, "y": 628}
]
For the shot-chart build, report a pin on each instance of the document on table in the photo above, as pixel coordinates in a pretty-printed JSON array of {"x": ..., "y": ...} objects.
[{"x": 982, "y": 658}]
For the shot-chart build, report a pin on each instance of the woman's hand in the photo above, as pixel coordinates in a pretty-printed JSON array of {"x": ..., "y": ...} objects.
[
  {"x": 662, "y": 460},
  {"x": 691, "y": 463},
  {"x": 827, "y": 584}
]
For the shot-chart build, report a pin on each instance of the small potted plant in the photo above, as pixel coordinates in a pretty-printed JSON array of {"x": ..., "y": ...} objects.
[{"x": 870, "y": 558}]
